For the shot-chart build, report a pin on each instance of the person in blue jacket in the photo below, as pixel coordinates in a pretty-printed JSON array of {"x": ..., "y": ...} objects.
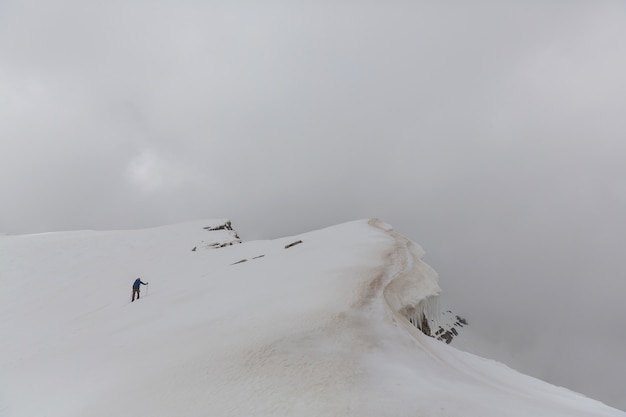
[{"x": 138, "y": 282}]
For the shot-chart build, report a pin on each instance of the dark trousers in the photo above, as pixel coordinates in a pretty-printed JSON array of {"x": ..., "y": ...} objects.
[{"x": 135, "y": 291}]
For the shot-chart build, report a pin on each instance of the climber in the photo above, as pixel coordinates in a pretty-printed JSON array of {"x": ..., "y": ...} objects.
[{"x": 138, "y": 282}]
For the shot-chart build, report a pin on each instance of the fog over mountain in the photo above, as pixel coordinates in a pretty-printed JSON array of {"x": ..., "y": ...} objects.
[{"x": 491, "y": 133}]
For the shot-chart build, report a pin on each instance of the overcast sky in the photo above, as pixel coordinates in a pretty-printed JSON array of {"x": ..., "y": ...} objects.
[{"x": 492, "y": 133}]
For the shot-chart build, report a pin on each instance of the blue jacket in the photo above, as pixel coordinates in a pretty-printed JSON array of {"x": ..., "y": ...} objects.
[{"x": 137, "y": 282}]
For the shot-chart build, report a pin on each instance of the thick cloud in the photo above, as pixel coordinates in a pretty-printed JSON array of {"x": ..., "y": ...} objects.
[{"x": 491, "y": 133}]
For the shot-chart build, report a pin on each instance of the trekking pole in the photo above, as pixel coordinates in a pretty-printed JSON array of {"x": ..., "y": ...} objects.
[{"x": 147, "y": 288}]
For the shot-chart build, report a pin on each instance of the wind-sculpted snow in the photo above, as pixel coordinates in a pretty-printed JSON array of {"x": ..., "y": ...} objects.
[
  {"x": 320, "y": 328},
  {"x": 413, "y": 290}
]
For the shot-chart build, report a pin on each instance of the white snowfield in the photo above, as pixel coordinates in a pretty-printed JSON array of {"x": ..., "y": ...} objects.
[{"x": 312, "y": 330}]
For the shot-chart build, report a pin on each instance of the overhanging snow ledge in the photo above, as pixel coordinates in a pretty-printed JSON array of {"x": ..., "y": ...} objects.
[{"x": 413, "y": 291}]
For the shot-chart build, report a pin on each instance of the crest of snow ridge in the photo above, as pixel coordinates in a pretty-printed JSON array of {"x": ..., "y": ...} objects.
[{"x": 413, "y": 292}]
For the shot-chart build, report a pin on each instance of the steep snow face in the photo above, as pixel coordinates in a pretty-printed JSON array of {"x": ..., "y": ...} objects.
[{"x": 317, "y": 328}]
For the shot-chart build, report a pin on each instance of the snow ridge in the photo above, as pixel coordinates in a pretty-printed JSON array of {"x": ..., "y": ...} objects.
[{"x": 321, "y": 328}]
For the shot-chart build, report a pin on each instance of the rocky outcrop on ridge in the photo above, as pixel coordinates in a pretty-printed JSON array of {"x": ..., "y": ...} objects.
[
  {"x": 221, "y": 234},
  {"x": 449, "y": 326}
]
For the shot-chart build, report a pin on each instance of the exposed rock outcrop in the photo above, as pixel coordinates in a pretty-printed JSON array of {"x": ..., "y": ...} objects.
[
  {"x": 449, "y": 326},
  {"x": 222, "y": 234}
]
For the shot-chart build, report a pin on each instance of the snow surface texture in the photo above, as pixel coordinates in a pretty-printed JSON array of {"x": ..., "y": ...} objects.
[{"x": 316, "y": 329}]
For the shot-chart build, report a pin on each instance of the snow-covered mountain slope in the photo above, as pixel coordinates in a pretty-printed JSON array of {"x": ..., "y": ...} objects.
[{"x": 264, "y": 328}]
